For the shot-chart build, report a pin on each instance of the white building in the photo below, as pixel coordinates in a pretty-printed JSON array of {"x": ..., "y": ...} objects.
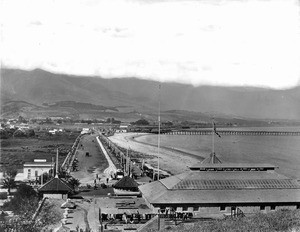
[
  {"x": 54, "y": 131},
  {"x": 122, "y": 129},
  {"x": 34, "y": 169},
  {"x": 85, "y": 131}
]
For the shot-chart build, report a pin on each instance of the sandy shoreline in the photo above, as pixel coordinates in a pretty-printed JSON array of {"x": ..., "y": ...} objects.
[{"x": 171, "y": 160}]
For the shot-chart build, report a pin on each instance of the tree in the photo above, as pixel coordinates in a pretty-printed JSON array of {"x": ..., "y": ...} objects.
[
  {"x": 74, "y": 182},
  {"x": 48, "y": 120},
  {"x": 142, "y": 121},
  {"x": 30, "y": 133},
  {"x": 64, "y": 174},
  {"x": 3, "y": 134},
  {"x": 25, "y": 193},
  {"x": 19, "y": 133},
  {"x": 24, "y": 206},
  {"x": 9, "y": 180},
  {"x": 21, "y": 119}
]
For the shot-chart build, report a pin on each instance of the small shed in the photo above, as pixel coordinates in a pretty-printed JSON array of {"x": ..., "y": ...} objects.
[
  {"x": 127, "y": 183},
  {"x": 56, "y": 188}
]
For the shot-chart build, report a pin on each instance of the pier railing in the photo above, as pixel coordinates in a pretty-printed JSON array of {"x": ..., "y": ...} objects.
[{"x": 235, "y": 132}]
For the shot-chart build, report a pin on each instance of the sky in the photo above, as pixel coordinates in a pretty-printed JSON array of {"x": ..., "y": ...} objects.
[{"x": 215, "y": 42}]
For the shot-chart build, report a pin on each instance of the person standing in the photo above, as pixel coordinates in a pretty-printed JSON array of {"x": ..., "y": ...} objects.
[
  {"x": 124, "y": 218},
  {"x": 138, "y": 216}
]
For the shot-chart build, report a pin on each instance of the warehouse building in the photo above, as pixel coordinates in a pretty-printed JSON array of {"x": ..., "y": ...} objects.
[{"x": 215, "y": 189}]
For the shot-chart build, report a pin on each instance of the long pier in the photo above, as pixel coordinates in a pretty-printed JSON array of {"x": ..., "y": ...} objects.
[{"x": 233, "y": 132}]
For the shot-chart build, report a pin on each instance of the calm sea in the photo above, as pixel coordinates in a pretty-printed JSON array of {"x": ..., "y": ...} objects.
[{"x": 282, "y": 151}]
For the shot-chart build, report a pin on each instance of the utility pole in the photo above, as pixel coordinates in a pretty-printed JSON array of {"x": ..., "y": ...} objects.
[
  {"x": 56, "y": 166},
  {"x": 213, "y": 137}
]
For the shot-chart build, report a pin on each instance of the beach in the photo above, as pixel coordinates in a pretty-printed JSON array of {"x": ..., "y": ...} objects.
[
  {"x": 171, "y": 160},
  {"x": 180, "y": 151}
]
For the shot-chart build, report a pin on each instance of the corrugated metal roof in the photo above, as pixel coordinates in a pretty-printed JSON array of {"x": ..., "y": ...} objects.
[
  {"x": 233, "y": 176},
  {"x": 236, "y": 184},
  {"x": 223, "y": 187},
  {"x": 156, "y": 193}
]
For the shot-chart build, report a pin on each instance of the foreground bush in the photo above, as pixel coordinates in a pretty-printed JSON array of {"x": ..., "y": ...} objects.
[
  {"x": 24, "y": 205},
  {"x": 281, "y": 220}
]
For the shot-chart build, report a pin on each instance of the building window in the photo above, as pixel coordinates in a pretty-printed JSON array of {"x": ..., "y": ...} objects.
[
  {"x": 196, "y": 208},
  {"x": 36, "y": 173},
  {"x": 29, "y": 173},
  {"x": 273, "y": 207},
  {"x": 298, "y": 206},
  {"x": 262, "y": 207},
  {"x": 184, "y": 208},
  {"x": 222, "y": 208}
]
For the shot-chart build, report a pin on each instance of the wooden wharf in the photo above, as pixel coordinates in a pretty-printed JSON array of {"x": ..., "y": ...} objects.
[{"x": 233, "y": 132}]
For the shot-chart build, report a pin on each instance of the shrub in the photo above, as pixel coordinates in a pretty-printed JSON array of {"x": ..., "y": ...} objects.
[
  {"x": 3, "y": 195},
  {"x": 281, "y": 220}
]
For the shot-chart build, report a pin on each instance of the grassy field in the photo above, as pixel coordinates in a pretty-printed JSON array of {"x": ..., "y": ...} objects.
[
  {"x": 16, "y": 151},
  {"x": 282, "y": 151}
]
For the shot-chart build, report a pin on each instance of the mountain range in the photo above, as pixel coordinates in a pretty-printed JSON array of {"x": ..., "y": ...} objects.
[{"x": 42, "y": 91}]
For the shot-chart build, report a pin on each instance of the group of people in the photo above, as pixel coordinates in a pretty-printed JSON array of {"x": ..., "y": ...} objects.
[
  {"x": 173, "y": 214},
  {"x": 131, "y": 218},
  {"x": 125, "y": 218}
]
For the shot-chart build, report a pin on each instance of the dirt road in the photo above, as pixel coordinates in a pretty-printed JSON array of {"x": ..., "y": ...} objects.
[{"x": 91, "y": 165}]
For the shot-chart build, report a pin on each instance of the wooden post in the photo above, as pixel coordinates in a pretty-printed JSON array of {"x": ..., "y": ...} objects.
[
  {"x": 56, "y": 168},
  {"x": 158, "y": 220},
  {"x": 100, "y": 220}
]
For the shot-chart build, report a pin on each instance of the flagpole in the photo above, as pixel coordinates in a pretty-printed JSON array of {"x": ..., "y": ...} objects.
[
  {"x": 213, "y": 137},
  {"x": 127, "y": 160},
  {"x": 158, "y": 142}
]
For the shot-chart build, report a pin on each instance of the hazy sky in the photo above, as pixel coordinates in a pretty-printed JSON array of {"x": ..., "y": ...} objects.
[{"x": 232, "y": 42}]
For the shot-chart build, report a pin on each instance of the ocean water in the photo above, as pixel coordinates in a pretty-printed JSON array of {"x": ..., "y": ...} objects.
[{"x": 281, "y": 151}]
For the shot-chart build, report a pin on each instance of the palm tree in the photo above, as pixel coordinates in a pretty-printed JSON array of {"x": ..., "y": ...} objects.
[{"x": 74, "y": 182}]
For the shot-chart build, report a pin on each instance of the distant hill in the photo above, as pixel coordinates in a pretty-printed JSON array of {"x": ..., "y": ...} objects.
[{"x": 136, "y": 96}]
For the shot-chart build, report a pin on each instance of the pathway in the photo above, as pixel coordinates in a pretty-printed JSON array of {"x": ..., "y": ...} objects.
[{"x": 111, "y": 167}]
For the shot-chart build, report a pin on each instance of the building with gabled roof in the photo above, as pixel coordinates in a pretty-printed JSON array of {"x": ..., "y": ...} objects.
[
  {"x": 127, "y": 183},
  {"x": 126, "y": 186},
  {"x": 56, "y": 188},
  {"x": 218, "y": 189}
]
